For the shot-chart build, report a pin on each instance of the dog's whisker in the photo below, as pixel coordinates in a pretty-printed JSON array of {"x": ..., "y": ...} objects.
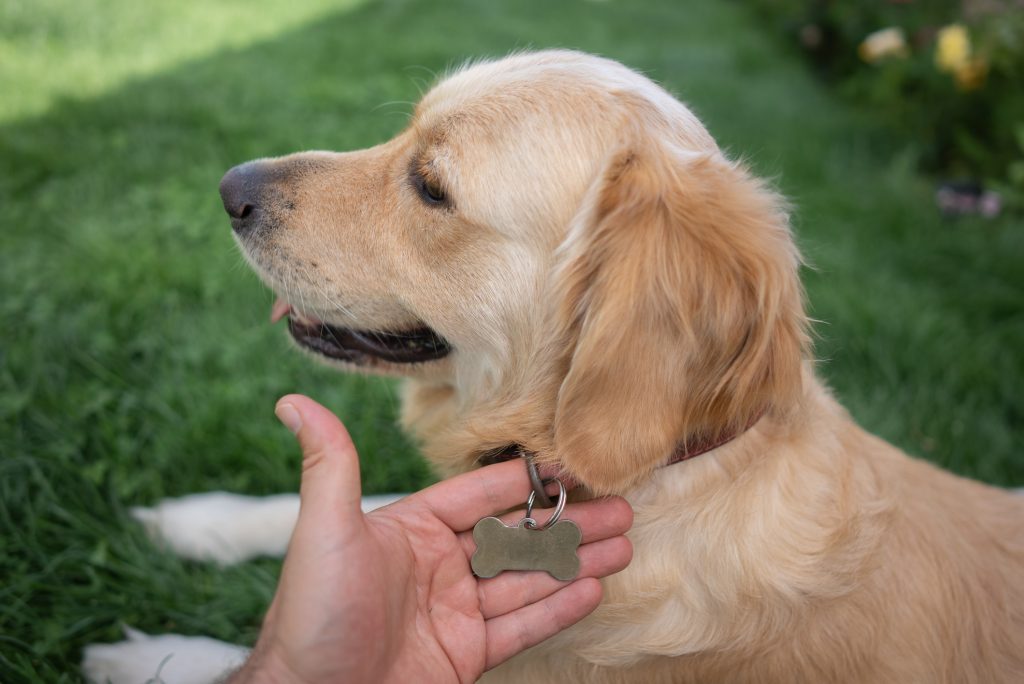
[
  {"x": 393, "y": 103},
  {"x": 321, "y": 291},
  {"x": 421, "y": 67}
]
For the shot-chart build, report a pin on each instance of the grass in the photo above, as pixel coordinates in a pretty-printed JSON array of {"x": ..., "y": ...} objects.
[{"x": 136, "y": 362}]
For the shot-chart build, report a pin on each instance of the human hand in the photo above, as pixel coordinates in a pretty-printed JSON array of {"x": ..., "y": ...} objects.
[{"x": 389, "y": 596}]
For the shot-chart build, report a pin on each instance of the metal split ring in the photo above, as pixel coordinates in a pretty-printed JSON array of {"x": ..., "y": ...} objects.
[
  {"x": 531, "y": 523},
  {"x": 536, "y": 482}
]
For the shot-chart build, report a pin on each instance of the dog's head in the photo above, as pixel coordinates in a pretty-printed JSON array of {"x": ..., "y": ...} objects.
[{"x": 559, "y": 248}]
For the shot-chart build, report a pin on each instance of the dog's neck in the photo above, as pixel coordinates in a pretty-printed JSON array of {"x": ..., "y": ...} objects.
[
  {"x": 687, "y": 449},
  {"x": 702, "y": 445}
]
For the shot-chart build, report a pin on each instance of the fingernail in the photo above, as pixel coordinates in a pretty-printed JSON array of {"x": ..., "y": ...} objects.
[{"x": 287, "y": 414}]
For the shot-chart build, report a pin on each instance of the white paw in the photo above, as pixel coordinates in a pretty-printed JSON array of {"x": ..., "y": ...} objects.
[
  {"x": 221, "y": 527},
  {"x": 229, "y": 528},
  {"x": 162, "y": 659}
]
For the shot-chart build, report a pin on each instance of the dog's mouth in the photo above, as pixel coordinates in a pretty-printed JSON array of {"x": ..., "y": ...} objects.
[{"x": 361, "y": 347}]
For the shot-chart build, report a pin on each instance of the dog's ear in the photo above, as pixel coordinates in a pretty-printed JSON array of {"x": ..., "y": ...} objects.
[{"x": 683, "y": 307}]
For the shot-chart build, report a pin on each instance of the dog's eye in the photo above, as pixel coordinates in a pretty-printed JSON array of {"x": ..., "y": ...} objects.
[{"x": 431, "y": 191}]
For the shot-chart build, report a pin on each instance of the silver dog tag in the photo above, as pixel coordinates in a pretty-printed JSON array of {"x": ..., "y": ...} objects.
[{"x": 501, "y": 547}]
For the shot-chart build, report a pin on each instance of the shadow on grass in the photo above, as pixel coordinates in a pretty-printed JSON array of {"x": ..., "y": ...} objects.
[{"x": 137, "y": 363}]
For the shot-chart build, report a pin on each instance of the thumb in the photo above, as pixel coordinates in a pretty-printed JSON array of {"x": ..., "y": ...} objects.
[{"x": 330, "y": 464}]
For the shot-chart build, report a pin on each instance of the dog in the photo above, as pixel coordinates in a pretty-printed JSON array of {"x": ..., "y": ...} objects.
[{"x": 556, "y": 255}]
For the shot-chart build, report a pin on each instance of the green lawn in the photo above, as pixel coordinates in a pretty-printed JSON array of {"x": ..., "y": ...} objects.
[{"x": 136, "y": 361}]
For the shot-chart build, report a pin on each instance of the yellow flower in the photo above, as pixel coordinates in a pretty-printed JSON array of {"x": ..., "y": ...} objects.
[
  {"x": 889, "y": 42},
  {"x": 953, "y": 48},
  {"x": 971, "y": 75},
  {"x": 953, "y": 55}
]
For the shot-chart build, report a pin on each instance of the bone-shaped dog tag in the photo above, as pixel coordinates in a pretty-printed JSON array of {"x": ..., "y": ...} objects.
[{"x": 501, "y": 547}]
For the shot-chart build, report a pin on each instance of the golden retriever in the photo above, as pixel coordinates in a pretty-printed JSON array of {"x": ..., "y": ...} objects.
[{"x": 556, "y": 255}]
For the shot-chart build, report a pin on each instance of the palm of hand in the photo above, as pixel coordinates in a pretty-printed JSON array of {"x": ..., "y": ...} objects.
[
  {"x": 403, "y": 600},
  {"x": 445, "y": 635},
  {"x": 407, "y": 605}
]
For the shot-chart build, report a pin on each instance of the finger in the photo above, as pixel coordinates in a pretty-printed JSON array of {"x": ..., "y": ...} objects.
[
  {"x": 462, "y": 500},
  {"x": 459, "y": 502},
  {"x": 597, "y": 519},
  {"x": 511, "y": 591},
  {"x": 517, "y": 631},
  {"x": 330, "y": 465}
]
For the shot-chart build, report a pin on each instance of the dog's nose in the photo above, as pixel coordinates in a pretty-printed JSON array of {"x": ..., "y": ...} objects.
[{"x": 240, "y": 190}]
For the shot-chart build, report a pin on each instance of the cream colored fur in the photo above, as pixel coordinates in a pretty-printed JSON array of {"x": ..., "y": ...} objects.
[{"x": 612, "y": 286}]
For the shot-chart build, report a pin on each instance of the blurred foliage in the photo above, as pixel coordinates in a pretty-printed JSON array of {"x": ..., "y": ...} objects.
[{"x": 948, "y": 74}]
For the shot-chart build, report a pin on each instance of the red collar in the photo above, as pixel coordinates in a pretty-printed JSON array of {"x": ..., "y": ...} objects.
[{"x": 684, "y": 452}]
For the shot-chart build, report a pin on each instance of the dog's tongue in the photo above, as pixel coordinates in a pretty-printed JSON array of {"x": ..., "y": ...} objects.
[{"x": 280, "y": 309}]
